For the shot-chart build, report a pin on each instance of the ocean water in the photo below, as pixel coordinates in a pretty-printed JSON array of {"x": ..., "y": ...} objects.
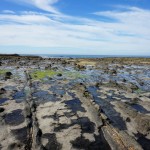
[{"x": 81, "y": 56}]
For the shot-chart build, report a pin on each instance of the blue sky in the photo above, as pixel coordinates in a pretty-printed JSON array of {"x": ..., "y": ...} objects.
[{"x": 102, "y": 27}]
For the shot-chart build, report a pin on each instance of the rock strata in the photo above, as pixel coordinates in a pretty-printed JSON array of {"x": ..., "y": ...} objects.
[{"x": 65, "y": 104}]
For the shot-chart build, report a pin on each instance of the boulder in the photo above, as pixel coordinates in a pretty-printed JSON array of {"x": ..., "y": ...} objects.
[
  {"x": 2, "y": 91},
  {"x": 8, "y": 75}
]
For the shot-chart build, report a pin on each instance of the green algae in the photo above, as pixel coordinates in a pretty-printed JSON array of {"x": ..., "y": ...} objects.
[
  {"x": 39, "y": 75},
  {"x": 42, "y": 74},
  {"x": 3, "y": 71}
]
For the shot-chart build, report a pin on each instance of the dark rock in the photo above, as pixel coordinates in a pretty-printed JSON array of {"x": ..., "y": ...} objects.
[
  {"x": 97, "y": 84},
  {"x": 52, "y": 142},
  {"x": 80, "y": 67},
  {"x": 141, "y": 83},
  {"x": 2, "y": 91},
  {"x": 145, "y": 143},
  {"x": 19, "y": 94},
  {"x": 59, "y": 74},
  {"x": 98, "y": 144},
  {"x": 143, "y": 124},
  {"x": 14, "y": 146},
  {"x": 75, "y": 105},
  {"x": 8, "y": 75},
  {"x": 128, "y": 119},
  {"x": 124, "y": 80},
  {"x": 15, "y": 117},
  {"x": 133, "y": 87},
  {"x": 64, "y": 62},
  {"x": 54, "y": 68},
  {"x": 1, "y": 109},
  {"x": 21, "y": 134},
  {"x": 86, "y": 94},
  {"x": 113, "y": 72},
  {"x": 48, "y": 67},
  {"x": 3, "y": 100}
]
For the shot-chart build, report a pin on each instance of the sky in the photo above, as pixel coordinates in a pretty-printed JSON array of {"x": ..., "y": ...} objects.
[{"x": 85, "y": 27}]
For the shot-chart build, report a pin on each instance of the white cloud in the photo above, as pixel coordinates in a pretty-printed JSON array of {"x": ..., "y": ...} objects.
[
  {"x": 129, "y": 35},
  {"x": 8, "y": 12},
  {"x": 46, "y": 5}
]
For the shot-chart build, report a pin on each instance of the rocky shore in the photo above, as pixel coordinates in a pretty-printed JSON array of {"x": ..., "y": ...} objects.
[{"x": 72, "y": 104}]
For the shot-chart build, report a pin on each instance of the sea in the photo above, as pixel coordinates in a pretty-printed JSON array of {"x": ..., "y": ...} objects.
[{"x": 83, "y": 56}]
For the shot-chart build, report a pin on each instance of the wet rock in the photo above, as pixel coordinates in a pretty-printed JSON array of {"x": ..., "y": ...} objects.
[
  {"x": 80, "y": 67},
  {"x": 145, "y": 143},
  {"x": 124, "y": 80},
  {"x": 128, "y": 119},
  {"x": 133, "y": 87},
  {"x": 1, "y": 109},
  {"x": 21, "y": 134},
  {"x": 3, "y": 100},
  {"x": 64, "y": 62},
  {"x": 14, "y": 146},
  {"x": 86, "y": 125},
  {"x": 44, "y": 96},
  {"x": 54, "y": 68},
  {"x": 113, "y": 83},
  {"x": 57, "y": 90},
  {"x": 11, "y": 88},
  {"x": 19, "y": 94},
  {"x": 75, "y": 105},
  {"x": 8, "y": 75},
  {"x": 97, "y": 84},
  {"x": 59, "y": 74},
  {"x": 83, "y": 143},
  {"x": 61, "y": 127},
  {"x": 15, "y": 117},
  {"x": 49, "y": 67},
  {"x": 40, "y": 94},
  {"x": 52, "y": 143},
  {"x": 141, "y": 83},
  {"x": 86, "y": 94},
  {"x": 139, "y": 108},
  {"x": 143, "y": 124},
  {"x": 2, "y": 91},
  {"x": 113, "y": 72}
]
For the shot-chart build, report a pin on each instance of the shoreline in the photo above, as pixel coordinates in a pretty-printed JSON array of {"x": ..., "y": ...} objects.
[{"x": 73, "y": 56}]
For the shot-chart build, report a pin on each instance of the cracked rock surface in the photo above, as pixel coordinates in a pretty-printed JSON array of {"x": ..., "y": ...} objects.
[{"x": 74, "y": 104}]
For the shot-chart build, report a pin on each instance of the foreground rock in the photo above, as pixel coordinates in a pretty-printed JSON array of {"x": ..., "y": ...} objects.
[{"x": 52, "y": 109}]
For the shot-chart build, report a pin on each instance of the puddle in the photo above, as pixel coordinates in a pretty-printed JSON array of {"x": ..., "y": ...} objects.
[
  {"x": 86, "y": 125},
  {"x": 98, "y": 144},
  {"x": 52, "y": 141},
  {"x": 19, "y": 95},
  {"x": 3, "y": 100},
  {"x": 108, "y": 109},
  {"x": 14, "y": 118},
  {"x": 57, "y": 90},
  {"x": 21, "y": 134},
  {"x": 13, "y": 88},
  {"x": 145, "y": 143},
  {"x": 75, "y": 105},
  {"x": 140, "y": 108},
  {"x": 44, "y": 96},
  {"x": 40, "y": 94}
]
